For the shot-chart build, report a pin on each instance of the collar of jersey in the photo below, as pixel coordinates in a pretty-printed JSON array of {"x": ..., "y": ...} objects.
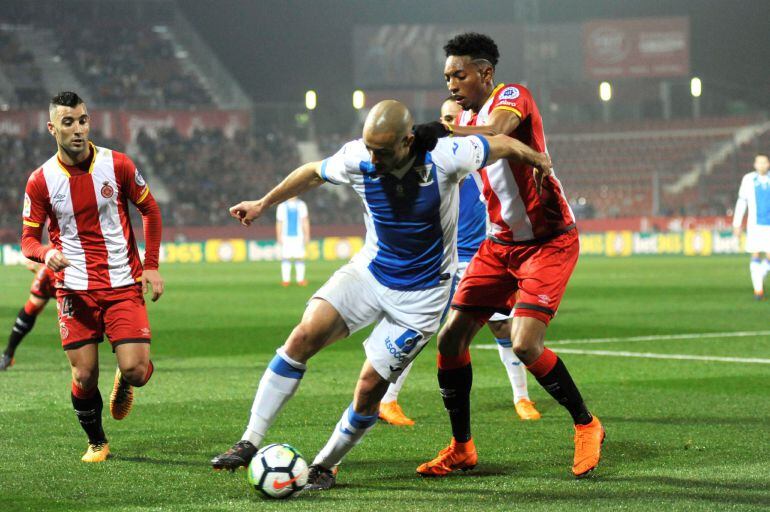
[
  {"x": 90, "y": 168},
  {"x": 494, "y": 91},
  {"x": 369, "y": 169}
]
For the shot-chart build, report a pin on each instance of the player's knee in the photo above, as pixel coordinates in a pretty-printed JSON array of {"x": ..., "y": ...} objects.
[
  {"x": 302, "y": 343},
  {"x": 135, "y": 372},
  {"x": 452, "y": 340},
  {"x": 85, "y": 378},
  {"x": 526, "y": 349}
]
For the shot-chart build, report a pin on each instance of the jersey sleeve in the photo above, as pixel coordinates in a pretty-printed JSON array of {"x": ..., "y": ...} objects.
[
  {"x": 280, "y": 213},
  {"x": 339, "y": 168},
  {"x": 460, "y": 156},
  {"x": 515, "y": 98},
  {"x": 34, "y": 211},
  {"x": 131, "y": 181}
]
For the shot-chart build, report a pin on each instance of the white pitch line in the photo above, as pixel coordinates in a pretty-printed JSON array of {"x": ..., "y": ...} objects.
[
  {"x": 648, "y": 355},
  {"x": 658, "y": 337}
]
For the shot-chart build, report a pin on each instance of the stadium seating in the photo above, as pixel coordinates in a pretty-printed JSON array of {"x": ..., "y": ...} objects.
[
  {"x": 617, "y": 168},
  {"x": 206, "y": 173},
  {"x": 131, "y": 66},
  {"x": 22, "y": 76}
]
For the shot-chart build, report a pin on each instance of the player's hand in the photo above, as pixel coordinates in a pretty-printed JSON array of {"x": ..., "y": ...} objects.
[
  {"x": 56, "y": 261},
  {"x": 737, "y": 231},
  {"x": 426, "y": 135},
  {"x": 151, "y": 278},
  {"x": 542, "y": 169},
  {"x": 247, "y": 211}
]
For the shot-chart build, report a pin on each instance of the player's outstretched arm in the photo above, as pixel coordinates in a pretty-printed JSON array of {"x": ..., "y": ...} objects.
[
  {"x": 299, "y": 181},
  {"x": 502, "y": 146}
]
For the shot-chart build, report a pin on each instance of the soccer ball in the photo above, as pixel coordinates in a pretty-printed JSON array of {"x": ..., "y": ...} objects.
[{"x": 278, "y": 471}]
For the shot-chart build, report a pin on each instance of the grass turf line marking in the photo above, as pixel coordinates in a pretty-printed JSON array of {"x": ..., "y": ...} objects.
[
  {"x": 657, "y": 337},
  {"x": 649, "y": 355}
]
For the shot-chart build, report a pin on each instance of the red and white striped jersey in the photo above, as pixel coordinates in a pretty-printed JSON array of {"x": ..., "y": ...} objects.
[
  {"x": 89, "y": 220},
  {"x": 516, "y": 212}
]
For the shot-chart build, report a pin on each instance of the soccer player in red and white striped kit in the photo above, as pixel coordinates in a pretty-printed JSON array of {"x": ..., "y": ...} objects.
[{"x": 83, "y": 191}]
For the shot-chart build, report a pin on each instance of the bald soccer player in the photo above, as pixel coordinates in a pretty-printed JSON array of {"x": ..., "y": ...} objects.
[{"x": 400, "y": 281}]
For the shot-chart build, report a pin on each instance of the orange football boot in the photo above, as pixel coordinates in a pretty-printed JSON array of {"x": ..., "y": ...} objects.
[
  {"x": 96, "y": 452},
  {"x": 525, "y": 408},
  {"x": 391, "y": 412},
  {"x": 122, "y": 397},
  {"x": 588, "y": 447},
  {"x": 456, "y": 456}
]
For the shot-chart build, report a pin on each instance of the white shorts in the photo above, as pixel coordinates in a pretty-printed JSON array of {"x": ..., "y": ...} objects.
[
  {"x": 496, "y": 317},
  {"x": 758, "y": 239},
  {"x": 293, "y": 247},
  {"x": 405, "y": 320}
]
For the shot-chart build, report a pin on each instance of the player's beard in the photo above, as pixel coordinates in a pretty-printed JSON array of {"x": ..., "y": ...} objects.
[{"x": 77, "y": 155}]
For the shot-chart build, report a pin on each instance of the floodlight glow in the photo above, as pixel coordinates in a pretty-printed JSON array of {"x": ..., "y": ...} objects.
[
  {"x": 359, "y": 99},
  {"x": 605, "y": 91},
  {"x": 311, "y": 100},
  {"x": 696, "y": 87}
]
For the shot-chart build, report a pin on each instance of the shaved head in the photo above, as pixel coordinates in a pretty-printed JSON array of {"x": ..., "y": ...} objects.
[
  {"x": 389, "y": 117},
  {"x": 388, "y": 134}
]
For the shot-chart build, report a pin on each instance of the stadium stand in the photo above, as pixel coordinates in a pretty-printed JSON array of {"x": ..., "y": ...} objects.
[
  {"x": 621, "y": 169},
  {"x": 21, "y": 78},
  {"x": 207, "y": 172}
]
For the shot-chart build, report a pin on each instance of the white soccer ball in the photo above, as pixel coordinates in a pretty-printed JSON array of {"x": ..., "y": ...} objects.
[{"x": 278, "y": 471}]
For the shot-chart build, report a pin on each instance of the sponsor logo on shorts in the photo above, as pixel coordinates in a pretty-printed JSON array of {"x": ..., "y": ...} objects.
[
  {"x": 543, "y": 299},
  {"x": 64, "y": 331},
  {"x": 145, "y": 331},
  {"x": 107, "y": 190},
  {"x": 403, "y": 345}
]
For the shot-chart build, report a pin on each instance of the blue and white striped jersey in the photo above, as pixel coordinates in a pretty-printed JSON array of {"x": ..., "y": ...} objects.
[
  {"x": 410, "y": 214},
  {"x": 290, "y": 214},
  {"x": 472, "y": 227},
  {"x": 754, "y": 196}
]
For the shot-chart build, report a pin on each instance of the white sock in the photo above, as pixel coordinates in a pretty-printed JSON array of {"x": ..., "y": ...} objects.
[
  {"x": 765, "y": 267},
  {"x": 277, "y": 386},
  {"x": 391, "y": 395},
  {"x": 347, "y": 433},
  {"x": 299, "y": 267},
  {"x": 286, "y": 271},
  {"x": 757, "y": 275},
  {"x": 517, "y": 373}
]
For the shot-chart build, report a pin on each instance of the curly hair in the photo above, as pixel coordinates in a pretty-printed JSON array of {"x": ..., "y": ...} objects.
[{"x": 475, "y": 45}]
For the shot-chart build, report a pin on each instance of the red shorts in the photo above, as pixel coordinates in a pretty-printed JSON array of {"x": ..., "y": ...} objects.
[
  {"x": 86, "y": 316},
  {"x": 43, "y": 285},
  {"x": 530, "y": 279}
]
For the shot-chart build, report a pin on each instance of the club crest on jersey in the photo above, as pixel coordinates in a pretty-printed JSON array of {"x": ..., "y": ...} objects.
[
  {"x": 138, "y": 178},
  {"x": 27, "y": 206},
  {"x": 107, "y": 190},
  {"x": 509, "y": 93},
  {"x": 424, "y": 174}
]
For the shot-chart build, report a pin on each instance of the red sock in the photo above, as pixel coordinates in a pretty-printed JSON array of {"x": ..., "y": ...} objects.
[
  {"x": 83, "y": 394},
  {"x": 452, "y": 362},
  {"x": 543, "y": 364},
  {"x": 148, "y": 374},
  {"x": 32, "y": 309}
]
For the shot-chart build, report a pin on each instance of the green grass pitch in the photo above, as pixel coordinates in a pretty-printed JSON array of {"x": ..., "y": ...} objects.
[{"x": 682, "y": 434}]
